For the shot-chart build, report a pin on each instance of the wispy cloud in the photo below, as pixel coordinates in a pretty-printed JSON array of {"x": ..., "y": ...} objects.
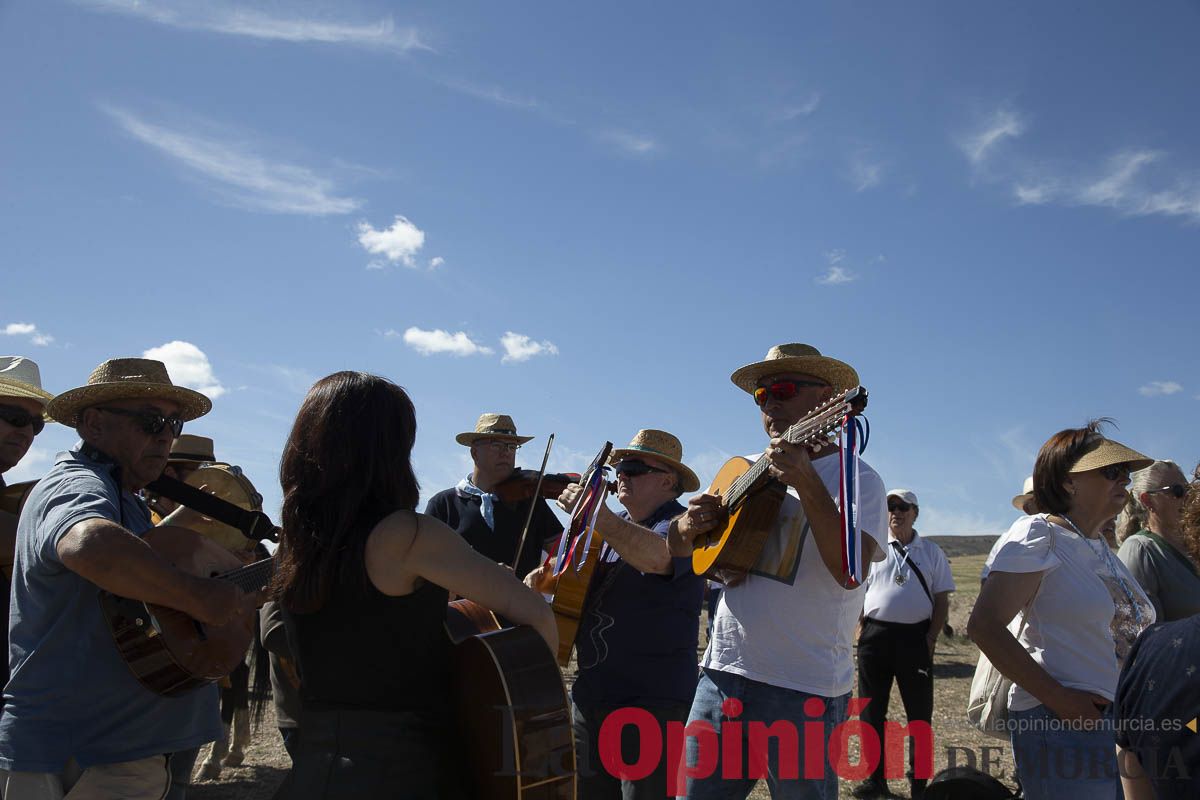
[
  {"x": 436, "y": 262},
  {"x": 629, "y": 143},
  {"x": 36, "y": 337},
  {"x": 188, "y": 366},
  {"x": 491, "y": 94},
  {"x": 519, "y": 347},
  {"x": 241, "y": 176},
  {"x": 836, "y": 273},
  {"x": 436, "y": 342},
  {"x": 998, "y": 126},
  {"x": 802, "y": 109},
  {"x": 398, "y": 243},
  {"x": 236, "y": 20},
  {"x": 865, "y": 172},
  {"x": 1160, "y": 389}
]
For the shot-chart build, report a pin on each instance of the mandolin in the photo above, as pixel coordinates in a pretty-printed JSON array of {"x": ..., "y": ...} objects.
[{"x": 753, "y": 498}]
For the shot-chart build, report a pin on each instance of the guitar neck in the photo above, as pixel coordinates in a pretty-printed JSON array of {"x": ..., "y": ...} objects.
[{"x": 252, "y": 577}]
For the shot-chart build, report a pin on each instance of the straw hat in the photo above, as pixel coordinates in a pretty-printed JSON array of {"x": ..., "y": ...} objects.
[
  {"x": 493, "y": 426},
  {"x": 662, "y": 446},
  {"x": 128, "y": 379},
  {"x": 795, "y": 357},
  {"x": 1103, "y": 452},
  {"x": 1025, "y": 496},
  {"x": 20, "y": 377},
  {"x": 193, "y": 449}
]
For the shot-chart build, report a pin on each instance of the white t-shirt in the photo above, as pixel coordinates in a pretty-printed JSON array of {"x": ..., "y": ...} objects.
[
  {"x": 789, "y": 623},
  {"x": 1081, "y": 623},
  {"x": 894, "y": 593}
]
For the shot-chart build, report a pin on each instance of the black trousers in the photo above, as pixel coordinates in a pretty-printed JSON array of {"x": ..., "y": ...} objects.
[
  {"x": 890, "y": 651},
  {"x": 595, "y": 783}
]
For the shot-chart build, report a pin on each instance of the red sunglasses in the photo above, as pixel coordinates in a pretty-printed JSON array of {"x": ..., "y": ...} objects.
[{"x": 783, "y": 390}]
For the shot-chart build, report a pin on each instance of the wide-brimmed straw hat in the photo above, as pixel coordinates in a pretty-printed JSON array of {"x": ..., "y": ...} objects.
[
  {"x": 1025, "y": 496},
  {"x": 493, "y": 426},
  {"x": 1103, "y": 451},
  {"x": 128, "y": 379},
  {"x": 192, "y": 449},
  {"x": 796, "y": 357},
  {"x": 664, "y": 447},
  {"x": 20, "y": 377}
]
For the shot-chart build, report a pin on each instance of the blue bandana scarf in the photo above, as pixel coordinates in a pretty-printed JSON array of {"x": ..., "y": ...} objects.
[{"x": 488, "y": 499}]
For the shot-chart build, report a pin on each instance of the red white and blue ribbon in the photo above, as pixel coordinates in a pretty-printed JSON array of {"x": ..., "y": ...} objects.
[
  {"x": 583, "y": 518},
  {"x": 852, "y": 439}
]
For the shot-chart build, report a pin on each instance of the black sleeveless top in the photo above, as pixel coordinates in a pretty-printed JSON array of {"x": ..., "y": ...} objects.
[{"x": 375, "y": 652}]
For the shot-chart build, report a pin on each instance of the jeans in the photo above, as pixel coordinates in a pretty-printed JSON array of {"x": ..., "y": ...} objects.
[
  {"x": 181, "y": 764},
  {"x": 1055, "y": 761},
  {"x": 761, "y": 702},
  {"x": 595, "y": 781}
]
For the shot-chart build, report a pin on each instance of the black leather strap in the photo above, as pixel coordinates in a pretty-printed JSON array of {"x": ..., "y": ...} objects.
[{"x": 255, "y": 525}]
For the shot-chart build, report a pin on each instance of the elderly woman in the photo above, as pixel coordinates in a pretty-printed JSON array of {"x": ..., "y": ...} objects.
[
  {"x": 1080, "y": 612},
  {"x": 362, "y": 580},
  {"x": 1152, "y": 543}
]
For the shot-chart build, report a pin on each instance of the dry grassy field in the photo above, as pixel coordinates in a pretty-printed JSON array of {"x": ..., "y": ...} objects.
[{"x": 954, "y": 664}]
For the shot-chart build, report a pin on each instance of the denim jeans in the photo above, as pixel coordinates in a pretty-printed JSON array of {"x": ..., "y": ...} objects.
[
  {"x": 1055, "y": 761},
  {"x": 767, "y": 704}
]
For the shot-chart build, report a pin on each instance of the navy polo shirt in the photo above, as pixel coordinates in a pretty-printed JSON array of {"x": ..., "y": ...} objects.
[
  {"x": 637, "y": 640},
  {"x": 463, "y": 512}
]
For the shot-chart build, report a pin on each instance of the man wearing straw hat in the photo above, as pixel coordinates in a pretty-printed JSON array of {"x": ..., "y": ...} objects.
[
  {"x": 22, "y": 417},
  {"x": 188, "y": 453},
  {"x": 77, "y": 720},
  {"x": 636, "y": 645},
  {"x": 490, "y": 525},
  {"x": 782, "y": 641}
]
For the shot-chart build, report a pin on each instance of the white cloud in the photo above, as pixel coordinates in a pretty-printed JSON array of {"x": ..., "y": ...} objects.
[
  {"x": 436, "y": 262},
  {"x": 836, "y": 275},
  {"x": 810, "y": 105},
  {"x": 399, "y": 243},
  {"x": 519, "y": 347},
  {"x": 629, "y": 143},
  {"x": 236, "y": 20},
  {"x": 188, "y": 366},
  {"x": 491, "y": 94},
  {"x": 433, "y": 342},
  {"x": 245, "y": 178},
  {"x": 1113, "y": 187},
  {"x": 865, "y": 173},
  {"x": 1160, "y": 389},
  {"x": 36, "y": 337},
  {"x": 32, "y": 467},
  {"x": 1002, "y": 124}
]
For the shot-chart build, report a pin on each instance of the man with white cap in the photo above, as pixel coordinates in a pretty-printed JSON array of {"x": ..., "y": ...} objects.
[
  {"x": 22, "y": 417},
  {"x": 490, "y": 525},
  {"x": 636, "y": 645},
  {"x": 76, "y": 719},
  {"x": 782, "y": 641},
  {"x": 906, "y": 606}
]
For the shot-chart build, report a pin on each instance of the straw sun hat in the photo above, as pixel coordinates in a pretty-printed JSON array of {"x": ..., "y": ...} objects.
[
  {"x": 1025, "y": 496},
  {"x": 192, "y": 449},
  {"x": 128, "y": 379},
  {"x": 1102, "y": 452},
  {"x": 20, "y": 377},
  {"x": 795, "y": 357},
  {"x": 493, "y": 426},
  {"x": 664, "y": 447}
]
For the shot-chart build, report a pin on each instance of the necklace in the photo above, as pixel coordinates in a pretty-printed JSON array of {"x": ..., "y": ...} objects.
[{"x": 1106, "y": 556}]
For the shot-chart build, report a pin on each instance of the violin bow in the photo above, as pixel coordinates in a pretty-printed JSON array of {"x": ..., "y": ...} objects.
[{"x": 533, "y": 503}]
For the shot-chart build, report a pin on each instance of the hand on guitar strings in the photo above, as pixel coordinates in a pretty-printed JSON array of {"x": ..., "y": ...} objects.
[
  {"x": 790, "y": 463},
  {"x": 217, "y": 602},
  {"x": 705, "y": 512}
]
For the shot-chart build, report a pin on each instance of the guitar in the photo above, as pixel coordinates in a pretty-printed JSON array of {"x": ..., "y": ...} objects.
[
  {"x": 753, "y": 498},
  {"x": 169, "y": 652},
  {"x": 512, "y": 710}
]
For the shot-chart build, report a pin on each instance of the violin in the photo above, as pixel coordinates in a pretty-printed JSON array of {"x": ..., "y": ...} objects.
[{"x": 521, "y": 484}]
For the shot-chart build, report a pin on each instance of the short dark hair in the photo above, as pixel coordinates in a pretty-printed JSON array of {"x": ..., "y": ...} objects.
[
  {"x": 1054, "y": 461},
  {"x": 346, "y": 466}
]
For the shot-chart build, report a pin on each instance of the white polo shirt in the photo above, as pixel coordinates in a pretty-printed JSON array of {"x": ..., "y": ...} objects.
[{"x": 894, "y": 592}]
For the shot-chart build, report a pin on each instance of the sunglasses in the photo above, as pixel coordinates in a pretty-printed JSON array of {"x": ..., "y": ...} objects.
[
  {"x": 150, "y": 422},
  {"x": 899, "y": 505},
  {"x": 631, "y": 469},
  {"x": 1115, "y": 472},
  {"x": 19, "y": 418},
  {"x": 1176, "y": 490},
  {"x": 783, "y": 390}
]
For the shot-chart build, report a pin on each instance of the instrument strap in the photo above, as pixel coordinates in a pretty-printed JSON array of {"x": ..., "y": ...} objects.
[{"x": 254, "y": 525}]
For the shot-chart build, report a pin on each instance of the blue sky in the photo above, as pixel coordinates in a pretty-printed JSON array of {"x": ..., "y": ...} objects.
[{"x": 587, "y": 216}]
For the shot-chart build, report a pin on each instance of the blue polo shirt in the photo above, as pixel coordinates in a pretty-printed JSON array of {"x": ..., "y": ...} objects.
[
  {"x": 637, "y": 640},
  {"x": 70, "y": 694}
]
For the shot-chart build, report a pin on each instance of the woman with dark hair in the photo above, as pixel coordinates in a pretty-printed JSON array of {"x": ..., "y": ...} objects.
[
  {"x": 1058, "y": 613},
  {"x": 363, "y": 582}
]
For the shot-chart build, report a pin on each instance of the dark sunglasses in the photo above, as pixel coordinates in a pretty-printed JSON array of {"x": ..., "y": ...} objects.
[
  {"x": 899, "y": 505},
  {"x": 150, "y": 422},
  {"x": 631, "y": 469},
  {"x": 1115, "y": 472},
  {"x": 19, "y": 418},
  {"x": 783, "y": 390},
  {"x": 1176, "y": 490}
]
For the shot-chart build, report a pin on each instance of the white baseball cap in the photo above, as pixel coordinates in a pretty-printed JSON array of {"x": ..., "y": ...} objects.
[{"x": 907, "y": 495}]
